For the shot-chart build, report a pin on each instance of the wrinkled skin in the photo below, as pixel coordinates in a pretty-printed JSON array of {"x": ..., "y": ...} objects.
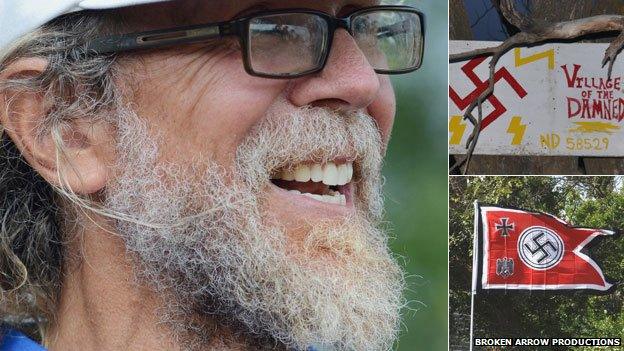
[{"x": 198, "y": 102}]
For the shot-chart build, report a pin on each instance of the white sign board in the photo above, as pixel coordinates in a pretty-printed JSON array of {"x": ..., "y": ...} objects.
[{"x": 552, "y": 99}]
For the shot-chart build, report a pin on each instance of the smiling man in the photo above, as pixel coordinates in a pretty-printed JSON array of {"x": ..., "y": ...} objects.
[{"x": 198, "y": 175}]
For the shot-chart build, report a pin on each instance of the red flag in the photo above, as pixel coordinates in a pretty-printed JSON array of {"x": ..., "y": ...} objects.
[{"x": 535, "y": 251}]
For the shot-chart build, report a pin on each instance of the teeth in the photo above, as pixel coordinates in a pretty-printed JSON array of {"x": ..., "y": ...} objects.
[
  {"x": 302, "y": 173},
  {"x": 330, "y": 173},
  {"x": 336, "y": 198},
  {"x": 337, "y": 174},
  {"x": 314, "y": 196},
  {"x": 287, "y": 175},
  {"x": 316, "y": 173},
  {"x": 349, "y": 173},
  {"x": 345, "y": 172}
]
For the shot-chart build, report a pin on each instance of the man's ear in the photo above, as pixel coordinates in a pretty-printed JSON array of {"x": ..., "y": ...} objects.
[{"x": 80, "y": 152}]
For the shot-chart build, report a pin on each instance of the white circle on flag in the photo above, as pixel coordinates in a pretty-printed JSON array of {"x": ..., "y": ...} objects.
[{"x": 540, "y": 248}]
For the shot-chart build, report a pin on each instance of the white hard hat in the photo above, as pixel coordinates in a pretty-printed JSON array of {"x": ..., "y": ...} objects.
[{"x": 19, "y": 17}]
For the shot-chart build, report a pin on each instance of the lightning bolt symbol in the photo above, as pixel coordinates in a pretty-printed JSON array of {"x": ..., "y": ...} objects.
[
  {"x": 548, "y": 54},
  {"x": 517, "y": 129},
  {"x": 457, "y": 129}
]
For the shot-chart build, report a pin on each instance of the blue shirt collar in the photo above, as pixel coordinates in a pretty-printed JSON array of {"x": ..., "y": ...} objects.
[{"x": 12, "y": 340}]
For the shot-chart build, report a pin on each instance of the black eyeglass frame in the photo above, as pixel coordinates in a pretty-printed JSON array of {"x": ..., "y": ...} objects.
[{"x": 240, "y": 28}]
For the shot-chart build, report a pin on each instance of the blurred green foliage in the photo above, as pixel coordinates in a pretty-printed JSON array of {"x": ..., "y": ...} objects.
[
  {"x": 596, "y": 202},
  {"x": 416, "y": 186}
]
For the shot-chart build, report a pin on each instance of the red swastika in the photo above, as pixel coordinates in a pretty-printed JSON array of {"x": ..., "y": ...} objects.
[{"x": 481, "y": 85}]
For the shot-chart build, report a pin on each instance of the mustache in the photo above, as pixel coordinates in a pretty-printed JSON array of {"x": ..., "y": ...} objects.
[
  {"x": 290, "y": 135},
  {"x": 287, "y": 137}
]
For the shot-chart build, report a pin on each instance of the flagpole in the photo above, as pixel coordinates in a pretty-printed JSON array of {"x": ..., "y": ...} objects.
[{"x": 473, "y": 290}]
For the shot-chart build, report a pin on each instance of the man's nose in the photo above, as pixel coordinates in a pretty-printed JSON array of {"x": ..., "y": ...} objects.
[{"x": 347, "y": 82}]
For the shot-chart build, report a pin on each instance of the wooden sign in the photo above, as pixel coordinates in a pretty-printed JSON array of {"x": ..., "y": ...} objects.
[{"x": 553, "y": 99}]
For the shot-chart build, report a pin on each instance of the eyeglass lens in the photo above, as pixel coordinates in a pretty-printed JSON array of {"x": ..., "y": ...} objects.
[
  {"x": 390, "y": 40},
  {"x": 296, "y": 43},
  {"x": 287, "y": 44}
]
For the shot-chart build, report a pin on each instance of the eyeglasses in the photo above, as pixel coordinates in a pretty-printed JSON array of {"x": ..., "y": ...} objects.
[{"x": 296, "y": 42}]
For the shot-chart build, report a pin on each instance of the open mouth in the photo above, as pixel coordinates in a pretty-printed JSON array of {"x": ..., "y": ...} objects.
[{"x": 329, "y": 183}]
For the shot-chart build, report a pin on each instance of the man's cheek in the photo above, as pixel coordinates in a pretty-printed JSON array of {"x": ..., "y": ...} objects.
[
  {"x": 383, "y": 108},
  {"x": 185, "y": 83},
  {"x": 204, "y": 101}
]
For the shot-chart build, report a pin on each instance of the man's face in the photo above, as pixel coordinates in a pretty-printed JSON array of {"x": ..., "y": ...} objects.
[
  {"x": 207, "y": 158},
  {"x": 202, "y": 101}
]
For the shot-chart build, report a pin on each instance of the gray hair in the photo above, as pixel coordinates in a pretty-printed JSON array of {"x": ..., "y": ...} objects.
[
  {"x": 73, "y": 85},
  {"x": 31, "y": 241}
]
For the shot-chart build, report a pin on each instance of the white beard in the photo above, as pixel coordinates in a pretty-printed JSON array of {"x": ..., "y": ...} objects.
[{"x": 209, "y": 246}]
